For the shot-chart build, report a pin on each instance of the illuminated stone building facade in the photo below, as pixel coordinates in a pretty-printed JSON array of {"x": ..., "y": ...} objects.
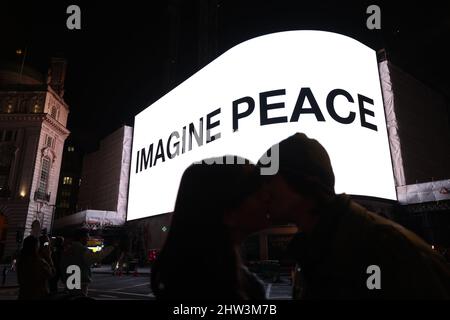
[{"x": 33, "y": 119}]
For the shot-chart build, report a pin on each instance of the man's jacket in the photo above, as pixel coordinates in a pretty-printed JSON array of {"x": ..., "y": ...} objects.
[{"x": 355, "y": 254}]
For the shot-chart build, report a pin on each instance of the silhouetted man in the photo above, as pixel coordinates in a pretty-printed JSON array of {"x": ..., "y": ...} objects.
[{"x": 343, "y": 250}]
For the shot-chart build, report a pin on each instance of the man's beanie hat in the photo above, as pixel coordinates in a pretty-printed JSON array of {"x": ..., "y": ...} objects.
[{"x": 305, "y": 161}]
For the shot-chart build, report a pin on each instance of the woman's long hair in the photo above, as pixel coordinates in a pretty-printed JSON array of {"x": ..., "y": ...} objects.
[
  {"x": 199, "y": 259},
  {"x": 27, "y": 256},
  {"x": 29, "y": 248}
]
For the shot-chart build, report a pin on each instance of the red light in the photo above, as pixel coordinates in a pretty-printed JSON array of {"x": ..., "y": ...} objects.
[{"x": 152, "y": 254}]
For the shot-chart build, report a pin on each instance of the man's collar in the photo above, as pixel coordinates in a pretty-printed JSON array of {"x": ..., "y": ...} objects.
[{"x": 313, "y": 245}]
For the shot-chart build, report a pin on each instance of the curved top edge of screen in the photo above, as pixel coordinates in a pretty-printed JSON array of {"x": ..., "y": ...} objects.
[{"x": 323, "y": 35}]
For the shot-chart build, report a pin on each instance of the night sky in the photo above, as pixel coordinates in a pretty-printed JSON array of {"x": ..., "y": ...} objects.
[{"x": 118, "y": 61}]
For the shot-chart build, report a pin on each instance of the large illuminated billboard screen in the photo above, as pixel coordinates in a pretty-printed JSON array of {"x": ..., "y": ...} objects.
[{"x": 323, "y": 84}]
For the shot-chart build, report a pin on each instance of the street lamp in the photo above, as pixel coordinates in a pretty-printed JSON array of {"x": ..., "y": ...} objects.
[
  {"x": 41, "y": 215},
  {"x": 53, "y": 216}
]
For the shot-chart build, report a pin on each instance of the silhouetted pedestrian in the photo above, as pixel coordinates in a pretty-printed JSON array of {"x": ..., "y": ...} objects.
[
  {"x": 77, "y": 254},
  {"x": 57, "y": 251},
  {"x": 33, "y": 272}
]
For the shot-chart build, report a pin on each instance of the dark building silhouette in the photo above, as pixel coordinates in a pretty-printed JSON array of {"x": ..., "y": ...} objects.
[
  {"x": 193, "y": 38},
  {"x": 69, "y": 180}
]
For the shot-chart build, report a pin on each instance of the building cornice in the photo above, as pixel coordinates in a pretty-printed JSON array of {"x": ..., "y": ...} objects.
[
  {"x": 36, "y": 117},
  {"x": 42, "y": 88},
  {"x": 56, "y": 125},
  {"x": 22, "y": 116},
  {"x": 19, "y": 89}
]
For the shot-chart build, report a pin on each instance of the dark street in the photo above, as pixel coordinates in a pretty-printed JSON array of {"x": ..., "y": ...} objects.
[{"x": 129, "y": 287}]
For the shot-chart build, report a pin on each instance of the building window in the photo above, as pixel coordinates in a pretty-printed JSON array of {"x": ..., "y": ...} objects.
[
  {"x": 54, "y": 113},
  {"x": 64, "y": 204},
  {"x": 23, "y": 106},
  {"x": 5, "y": 166},
  {"x": 3, "y": 180},
  {"x": 36, "y": 108},
  {"x": 49, "y": 142},
  {"x": 44, "y": 177},
  {"x": 9, "y": 108},
  {"x": 65, "y": 194},
  {"x": 71, "y": 149},
  {"x": 6, "y": 160},
  {"x": 67, "y": 180},
  {"x": 9, "y": 136}
]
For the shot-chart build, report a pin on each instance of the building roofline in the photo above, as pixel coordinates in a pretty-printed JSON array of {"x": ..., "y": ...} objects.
[{"x": 42, "y": 117}]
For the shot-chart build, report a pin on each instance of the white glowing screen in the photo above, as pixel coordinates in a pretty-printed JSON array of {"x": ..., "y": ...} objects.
[{"x": 323, "y": 84}]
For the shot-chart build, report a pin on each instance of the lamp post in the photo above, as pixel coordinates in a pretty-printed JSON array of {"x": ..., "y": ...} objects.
[
  {"x": 40, "y": 215},
  {"x": 53, "y": 216}
]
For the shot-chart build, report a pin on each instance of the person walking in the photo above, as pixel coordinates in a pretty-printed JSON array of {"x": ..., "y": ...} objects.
[{"x": 57, "y": 251}]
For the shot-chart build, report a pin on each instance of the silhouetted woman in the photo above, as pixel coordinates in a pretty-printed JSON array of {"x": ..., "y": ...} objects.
[
  {"x": 33, "y": 272},
  {"x": 200, "y": 259}
]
